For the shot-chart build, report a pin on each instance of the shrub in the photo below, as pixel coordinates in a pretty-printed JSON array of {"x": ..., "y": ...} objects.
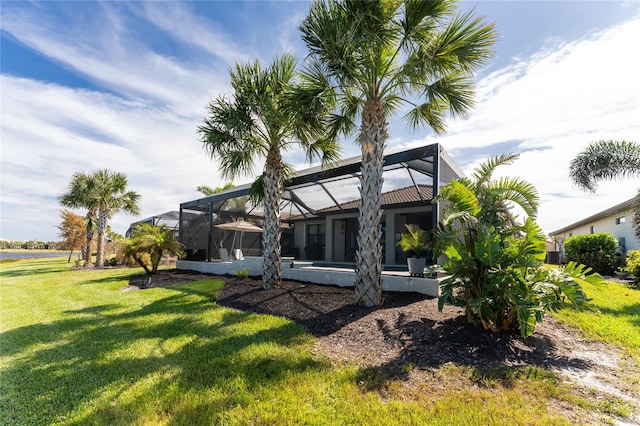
[
  {"x": 598, "y": 251},
  {"x": 633, "y": 265},
  {"x": 242, "y": 273}
]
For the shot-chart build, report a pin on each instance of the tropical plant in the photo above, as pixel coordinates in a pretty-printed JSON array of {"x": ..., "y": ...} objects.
[
  {"x": 369, "y": 59},
  {"x": 495, "y": 262},
  {"x": 415, "y": 240},
  {"x": 258, "y": 121},
  {"x": 154, "y": 241},
  {"x": 103, "y": 193},
  {"x": 598, "y": 251},
  {"x": 608, "y": 160}
]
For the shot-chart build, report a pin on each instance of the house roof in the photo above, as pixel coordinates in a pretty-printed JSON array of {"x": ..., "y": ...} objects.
[
  {"x": 315, "y": 190},
  {"x": 612, "y": 211},
  {"x": 408, "y": 196}
]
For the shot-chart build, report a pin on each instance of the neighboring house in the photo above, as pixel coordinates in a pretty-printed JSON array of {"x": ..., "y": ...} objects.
[
  {"x": 320, "y": 208},
  {"x": 616, "y": 221},
  {"x": 169, "y": 219}
]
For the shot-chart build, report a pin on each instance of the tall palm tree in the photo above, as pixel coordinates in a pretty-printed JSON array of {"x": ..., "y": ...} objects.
[
  {"x": 103, "y": 193},
  {"x": 79, "y": 195},
  {"x": 370, "y": 58},
  {"x": 111, "y": 196},
  {"x": 608, "y": 160},
  {"x": 258, "y": 121}
]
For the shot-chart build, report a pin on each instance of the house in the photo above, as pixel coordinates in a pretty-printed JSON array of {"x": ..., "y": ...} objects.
[
  {"x": 320, "y": 209},
  {"x": 616, "y": 220}
]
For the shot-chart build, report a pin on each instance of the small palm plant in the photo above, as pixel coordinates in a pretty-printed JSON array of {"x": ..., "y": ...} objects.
[
  {"x": 156, "y": 241},
  {"x": 497, "y": 264},
  {"x": 415, "y": 240}
]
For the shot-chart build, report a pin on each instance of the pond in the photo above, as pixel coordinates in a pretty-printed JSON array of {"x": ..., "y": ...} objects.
[{"x": 30, "y": 254}]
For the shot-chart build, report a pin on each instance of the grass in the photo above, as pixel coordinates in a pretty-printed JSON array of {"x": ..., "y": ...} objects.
[
  {"x": 615, "y": 316},
  {"x": 76, "y": 350}
]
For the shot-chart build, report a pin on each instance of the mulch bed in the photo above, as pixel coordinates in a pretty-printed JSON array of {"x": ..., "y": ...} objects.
[{"x": 407, "y": 329}]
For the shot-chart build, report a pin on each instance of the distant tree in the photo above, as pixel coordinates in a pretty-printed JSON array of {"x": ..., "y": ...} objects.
[
  {"x": 608, "y": 160},
  {"x": 155, "y": 241},
  {"x": 207, "y": 190},
  {"x": 72, "y": 231},
  {"x": 235, "y": 205}
]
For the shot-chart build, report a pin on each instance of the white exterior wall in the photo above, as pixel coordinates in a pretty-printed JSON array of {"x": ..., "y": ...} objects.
[
  {"x": 608, "y": 225},
  {"x": 329, "y": 276}
]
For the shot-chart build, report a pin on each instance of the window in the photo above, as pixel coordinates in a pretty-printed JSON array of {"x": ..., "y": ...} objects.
[
  {"x": 316, "y": 234},
  {"x": 591, "y": 230},
  {"x": 620, "y": 220}
]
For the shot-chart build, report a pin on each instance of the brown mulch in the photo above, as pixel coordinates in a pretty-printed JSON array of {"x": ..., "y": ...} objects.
[{"x": 409, "y": 330}]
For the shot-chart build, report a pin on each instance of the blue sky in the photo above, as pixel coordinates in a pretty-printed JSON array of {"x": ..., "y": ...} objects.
[{"x": 124, "y": 85}]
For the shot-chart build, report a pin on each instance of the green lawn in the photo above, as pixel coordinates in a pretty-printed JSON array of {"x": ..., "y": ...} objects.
[
  {"x": 75, "y": 350},
  {"x": 615, "y": 316}
]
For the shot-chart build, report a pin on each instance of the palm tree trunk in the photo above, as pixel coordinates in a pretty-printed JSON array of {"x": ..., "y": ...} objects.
[
  {"x": 271, "y": 267},
  {"x": 102, "y": 226},
  {"x": 87, "y": 249},
  {"x": 368, "y": 282}
]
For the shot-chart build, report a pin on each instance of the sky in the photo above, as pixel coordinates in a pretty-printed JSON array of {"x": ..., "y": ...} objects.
[{"x": 124, "y": 85}]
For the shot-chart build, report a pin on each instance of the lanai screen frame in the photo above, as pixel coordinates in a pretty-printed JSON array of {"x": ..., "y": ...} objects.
[{"x": 431, "y": 161}]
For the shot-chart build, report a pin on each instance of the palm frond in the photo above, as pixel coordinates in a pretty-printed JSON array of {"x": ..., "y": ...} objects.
[
  {"x": 605, "y": 160},
  {"x": 519, "y": 192},
  {"x": 431, "y": 112},
  {"x": 460, "y": 197},
  {"x": 482, "y": 174}
]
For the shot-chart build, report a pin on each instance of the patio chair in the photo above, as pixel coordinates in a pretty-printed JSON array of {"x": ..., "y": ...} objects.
[
  {"x": 237, "y": 254},
  {"x": 224, "y": 254}
]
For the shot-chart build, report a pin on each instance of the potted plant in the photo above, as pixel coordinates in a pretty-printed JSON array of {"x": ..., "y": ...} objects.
[{"x": 418, "y": 242}]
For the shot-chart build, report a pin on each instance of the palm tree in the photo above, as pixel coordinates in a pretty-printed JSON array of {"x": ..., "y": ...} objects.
[
  {"x": 207, "y": 190},
  {"x": 370, "y": 58},
  {"x": 111, "y": 196},
  {"x": 156, "y": 241},
  {"x": 258, "y": 121},
  {"x": 103, "y": 193},
  {"x": 608, "y": 160},
  {"x": 80, "y": 195}
]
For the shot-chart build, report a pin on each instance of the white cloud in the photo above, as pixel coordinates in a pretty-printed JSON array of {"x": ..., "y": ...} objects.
[
  {"x": 110, "y": 55},
  {"x": 551, "y": 106},
  {"x": 46, "y": 138},
  {"x": 176, "y": 19}
]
